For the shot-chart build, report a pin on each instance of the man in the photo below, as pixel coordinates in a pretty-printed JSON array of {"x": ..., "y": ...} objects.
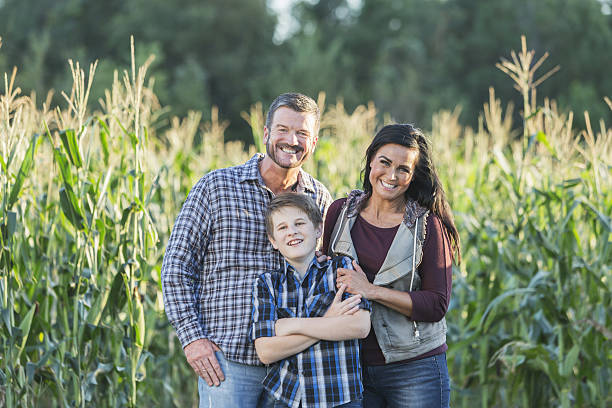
[{"x": 219, "y": 246}]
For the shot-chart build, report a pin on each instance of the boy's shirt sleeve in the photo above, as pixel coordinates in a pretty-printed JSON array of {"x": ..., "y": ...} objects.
[
  {"x": 264, "y": 313},
  {"x": 346, "y": 263}
]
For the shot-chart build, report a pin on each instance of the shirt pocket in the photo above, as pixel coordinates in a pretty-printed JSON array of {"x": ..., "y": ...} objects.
[{"x": 317, "y": 305}]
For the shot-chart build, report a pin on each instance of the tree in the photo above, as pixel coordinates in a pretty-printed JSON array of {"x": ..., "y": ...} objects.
[{"x": 213, "y": 52}]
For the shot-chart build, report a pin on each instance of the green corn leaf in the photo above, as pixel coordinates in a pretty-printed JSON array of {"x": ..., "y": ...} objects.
[
  {"x": 533, "y": 114},
  {"x": 131, "y": 135},
  {"x": 104, "y": 133},
  {"x": 24, "y": 326},
  {"x": 495, "y": 302},
  {"x": 551, "y": 195},
  {"x": 139, "y": 322},
  {"x": 465, "y": 342},
  {"x": 121, "y": 126},
  {"x": 569, "y": 183},
  {"x": 117, "y": 297},
  {"x": 540, "y": 278},
  {"x": 605, "y": 220},
  {"x": 101, "y": 228},
  {"x": 133, "y": 139},
  {"x": 593, "y": 271},
  {"x": 570, "y": 361},
  {"x": 126, "y": 213},
  {"x": 539, "y": 358},
  {"x": 551, "y": 247},
  {"x": 141, "y": 367},
  {"x": 69, "y": 141},
  {"x": 568, "y": 216},
  {"x": 541, "y": 136},
  {"x": 24, "y": 171},
  {"x": 141, "y": 189},
  {"x": 70, "y": 207},
  {"x": 64, "y": 166},
  {"x": 152, "y": 190},
  {"x": 6, "y": 318},
  {"x": 95, "y": 311},
  {"x": 3, "y": 165},
  {"x": 11, "y": 223},
  {"x": 30, "y": 370}
]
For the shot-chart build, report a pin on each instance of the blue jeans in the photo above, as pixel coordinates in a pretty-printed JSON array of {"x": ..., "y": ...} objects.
[
  {"x": 422, "y": 383},
  {"x": 242, "y": 386},
  {"x": 270, "y": 402}
]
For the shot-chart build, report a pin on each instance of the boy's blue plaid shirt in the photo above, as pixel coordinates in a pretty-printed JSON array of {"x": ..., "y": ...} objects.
[{"x": 327, "y": 373}]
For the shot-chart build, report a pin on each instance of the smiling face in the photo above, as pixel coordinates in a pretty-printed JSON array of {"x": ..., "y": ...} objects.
[
  {"x": 294, "y": 235},
  {"x": 391, "y": 171},
  {"x": 291, "y": 137}
]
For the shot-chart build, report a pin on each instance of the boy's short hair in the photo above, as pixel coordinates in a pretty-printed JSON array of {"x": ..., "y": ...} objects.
[{"x": 296, "y": 200}]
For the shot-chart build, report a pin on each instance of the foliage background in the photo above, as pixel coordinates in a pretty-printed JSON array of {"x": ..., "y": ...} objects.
[
  {"x": 93, "y": 178},
  {"x": 410, "y": 57}
]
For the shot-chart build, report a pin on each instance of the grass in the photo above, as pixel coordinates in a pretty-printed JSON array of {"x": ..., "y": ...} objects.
[{"x": 89, "y": 199}]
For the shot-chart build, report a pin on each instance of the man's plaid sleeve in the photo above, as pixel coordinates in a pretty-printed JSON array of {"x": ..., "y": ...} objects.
[{"x": 181, "y": 267}]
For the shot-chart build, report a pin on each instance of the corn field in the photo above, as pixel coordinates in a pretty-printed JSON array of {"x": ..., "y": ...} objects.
[{"x": 89, "y": 197}]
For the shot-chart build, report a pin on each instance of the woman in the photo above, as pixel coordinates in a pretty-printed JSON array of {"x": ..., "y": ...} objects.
[{"x": 400, "y": 232}]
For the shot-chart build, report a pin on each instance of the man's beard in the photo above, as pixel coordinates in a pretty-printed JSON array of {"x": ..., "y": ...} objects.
[{"x": 270, "y": 151}]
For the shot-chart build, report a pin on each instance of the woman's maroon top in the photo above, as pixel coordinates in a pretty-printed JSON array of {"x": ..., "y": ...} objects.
[{"x": 429, "y": 304}]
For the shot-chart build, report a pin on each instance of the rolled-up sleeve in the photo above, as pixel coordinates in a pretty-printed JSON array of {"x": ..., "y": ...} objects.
[
  {"x": 264, "y": 315},
  {"x": 181, "y": 271}
]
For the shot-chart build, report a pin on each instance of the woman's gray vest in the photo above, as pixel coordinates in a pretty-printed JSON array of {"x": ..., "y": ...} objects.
[{"x": 399, "y": 337}]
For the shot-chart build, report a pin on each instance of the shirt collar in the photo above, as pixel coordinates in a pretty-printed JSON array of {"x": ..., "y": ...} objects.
[
  {"x": 314, "y": 264},
  {"x": 250, "y": 171}
]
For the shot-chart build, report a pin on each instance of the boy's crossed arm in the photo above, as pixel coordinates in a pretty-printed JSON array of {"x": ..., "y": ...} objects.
[{"x": 343, "y": 320}]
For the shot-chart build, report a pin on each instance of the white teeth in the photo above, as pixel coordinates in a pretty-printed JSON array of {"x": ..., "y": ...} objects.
[
  {"x": 387, "y": 185},
  {"x": 288, "y": 150},
  {"x": 294, "y": 242}
]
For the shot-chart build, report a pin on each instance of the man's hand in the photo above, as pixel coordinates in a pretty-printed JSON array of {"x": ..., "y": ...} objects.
[
  {"x": 341, "y": 307},
  {"x": 356, "y": 281},
  {"x": 201, "y": 357}
]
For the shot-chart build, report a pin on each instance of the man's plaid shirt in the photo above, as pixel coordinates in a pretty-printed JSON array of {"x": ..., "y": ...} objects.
[
  {"x": 217, "y": 248},
  {"x": 327, "y": 373}
]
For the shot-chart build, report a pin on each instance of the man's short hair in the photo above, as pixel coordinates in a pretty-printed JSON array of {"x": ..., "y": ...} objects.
[
  {"x": 299, "y": 103},
  {"x": 295, "y": 200}
]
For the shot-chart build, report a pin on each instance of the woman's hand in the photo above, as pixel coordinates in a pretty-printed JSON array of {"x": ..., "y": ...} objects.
[
  {"x": 291, "y": 325},
  {"x": 341, "y": 307},
  {"x": 356, "y": 281}
]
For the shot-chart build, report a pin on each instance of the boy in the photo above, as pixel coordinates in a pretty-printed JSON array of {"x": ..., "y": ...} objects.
[{"x": 300, "y": 322}]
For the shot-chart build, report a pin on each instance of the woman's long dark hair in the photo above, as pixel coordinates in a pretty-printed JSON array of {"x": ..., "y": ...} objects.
[{"x": 425, "y": 187}]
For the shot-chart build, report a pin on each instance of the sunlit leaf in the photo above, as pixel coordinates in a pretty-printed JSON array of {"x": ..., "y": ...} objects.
[
  {"x": 24, "y": 171},
  {"x": 71, "y": 146}
]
